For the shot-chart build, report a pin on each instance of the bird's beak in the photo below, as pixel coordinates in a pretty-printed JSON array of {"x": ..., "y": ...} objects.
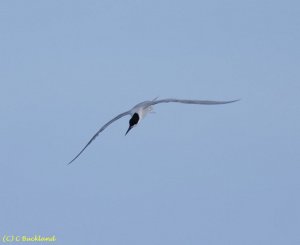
[{"x": 130, "y": 127}]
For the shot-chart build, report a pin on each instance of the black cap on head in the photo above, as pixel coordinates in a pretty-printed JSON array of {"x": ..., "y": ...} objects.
[{"x": 133, "y": 121}]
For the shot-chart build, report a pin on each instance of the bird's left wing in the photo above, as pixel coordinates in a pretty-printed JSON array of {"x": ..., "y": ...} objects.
[
  {"x": 99, "y": 131},
  {"x": 196, "y": 102}
]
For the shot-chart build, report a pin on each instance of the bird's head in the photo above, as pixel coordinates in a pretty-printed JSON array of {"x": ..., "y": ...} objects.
[{"x": 133, "y": 122}]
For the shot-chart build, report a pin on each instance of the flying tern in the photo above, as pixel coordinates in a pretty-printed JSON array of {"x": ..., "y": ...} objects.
[{"x": 139, "y": 111}]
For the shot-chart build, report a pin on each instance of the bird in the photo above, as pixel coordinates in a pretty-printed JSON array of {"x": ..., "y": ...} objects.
[{"x": 139, "y": 111}]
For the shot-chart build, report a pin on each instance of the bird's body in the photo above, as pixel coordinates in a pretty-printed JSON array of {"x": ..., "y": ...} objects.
[
  {"x": 139, "y": 111},
  {"x": 142, "y": 109}
]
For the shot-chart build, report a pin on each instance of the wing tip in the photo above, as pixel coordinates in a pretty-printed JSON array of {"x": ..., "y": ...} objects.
[
  {"x": 70, "y": 162},
  {"x": 75, "y": 157}
]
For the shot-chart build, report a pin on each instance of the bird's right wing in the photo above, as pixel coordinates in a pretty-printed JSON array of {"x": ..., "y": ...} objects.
[{"x": 99, "y": 131}]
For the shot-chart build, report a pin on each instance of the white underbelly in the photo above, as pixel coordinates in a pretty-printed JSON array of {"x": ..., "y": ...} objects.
[{"x": 144, "y": 111}]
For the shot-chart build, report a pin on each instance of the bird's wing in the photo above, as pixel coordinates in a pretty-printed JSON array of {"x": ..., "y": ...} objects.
[
  {"x": 197, "y": 102},
  {"x": 99, "y": 131}
]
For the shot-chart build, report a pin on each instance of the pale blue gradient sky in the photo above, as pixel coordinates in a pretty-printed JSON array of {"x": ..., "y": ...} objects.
[{"x": 229, "y": 175}]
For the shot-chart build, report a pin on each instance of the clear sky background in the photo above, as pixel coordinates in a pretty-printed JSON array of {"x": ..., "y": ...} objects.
[{"x": 225, "y": 174}]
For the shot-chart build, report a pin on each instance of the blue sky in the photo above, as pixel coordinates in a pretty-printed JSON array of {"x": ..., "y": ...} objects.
[{"x": 186, "y": 175}]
